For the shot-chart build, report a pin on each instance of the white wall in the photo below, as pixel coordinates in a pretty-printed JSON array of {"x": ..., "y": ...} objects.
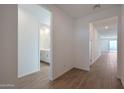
[
  {"x": 82, "y": 36},
  {"x": 95, "y": 45},
  {"x": 29, "y": 19},
  {"x": 44, "y": 37},
  {"x": 28, "y": 28},
  {"x": 62, "y": 41},
  {"x": 8, "y": 45}
]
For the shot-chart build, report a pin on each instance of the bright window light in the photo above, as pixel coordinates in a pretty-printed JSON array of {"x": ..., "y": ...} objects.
[{"x": 113, "y": 45}]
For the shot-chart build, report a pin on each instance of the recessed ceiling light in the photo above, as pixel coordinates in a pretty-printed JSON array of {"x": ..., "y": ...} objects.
[{"x": 106, "y": 27}]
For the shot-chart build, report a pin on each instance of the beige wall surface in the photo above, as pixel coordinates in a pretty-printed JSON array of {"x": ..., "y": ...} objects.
[{"x": 8, "y": 45}]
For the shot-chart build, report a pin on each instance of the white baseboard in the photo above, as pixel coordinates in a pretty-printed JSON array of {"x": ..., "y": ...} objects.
[
  {"x": 57, "y": 76},
  {"x": 83, "y": 68},
  {"x": 26, "y": 74},
  {"x": 60, "y": 74},
  {"x": 122, "y": 81},
  {"x": 93, "y": 61}
]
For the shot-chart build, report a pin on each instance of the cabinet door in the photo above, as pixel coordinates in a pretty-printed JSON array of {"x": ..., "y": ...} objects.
[{"x": 47, "y": 56}]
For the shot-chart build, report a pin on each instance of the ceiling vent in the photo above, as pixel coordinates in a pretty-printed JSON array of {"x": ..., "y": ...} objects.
[{"x": 96, "y": 6}]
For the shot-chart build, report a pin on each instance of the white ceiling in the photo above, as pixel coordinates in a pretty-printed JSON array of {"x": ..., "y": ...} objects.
[
  {"x": 80, "y": 10},
  {"x": 111, "y": 23}
]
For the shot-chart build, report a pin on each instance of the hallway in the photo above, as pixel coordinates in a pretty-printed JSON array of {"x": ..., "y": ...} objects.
[{"x": 101, "y": 76}]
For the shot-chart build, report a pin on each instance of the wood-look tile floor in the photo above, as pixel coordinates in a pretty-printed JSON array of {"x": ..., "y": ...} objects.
[{"x": 101, "y": 76}]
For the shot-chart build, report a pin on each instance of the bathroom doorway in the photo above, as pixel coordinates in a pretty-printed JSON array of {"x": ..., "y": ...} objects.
[
  {"x": 45, "y": 49},
  {"x": 34, "y": 42},
  {"x": 46, "y": 46}
]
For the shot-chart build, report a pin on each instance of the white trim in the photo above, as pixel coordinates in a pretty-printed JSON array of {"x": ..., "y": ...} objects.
[
  {"x": 20, "y": 76},
  {"x": 39, "y": 48},
  {"x": 51, "y": 70},
  {"x": 93, "y": 61},
  {"x": 122, "y": 81},
  {"x": 62, "y": 73}
]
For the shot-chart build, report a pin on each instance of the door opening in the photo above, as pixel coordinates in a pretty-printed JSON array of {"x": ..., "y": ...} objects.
[
  {"x": 45, "y": 49},
  {"x": 34, "y": 41},
  {"x": 103, "y": 39}
]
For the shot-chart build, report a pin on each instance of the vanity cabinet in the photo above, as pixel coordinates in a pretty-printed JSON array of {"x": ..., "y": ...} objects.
[{"x": 45, "y": 55}]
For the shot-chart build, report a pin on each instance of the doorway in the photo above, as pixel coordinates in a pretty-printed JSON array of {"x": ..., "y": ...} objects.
[
  {"x": 103, "y": 39},
  {"x": 45, "y": 49},
  {"x": 34, "y": 41}
]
